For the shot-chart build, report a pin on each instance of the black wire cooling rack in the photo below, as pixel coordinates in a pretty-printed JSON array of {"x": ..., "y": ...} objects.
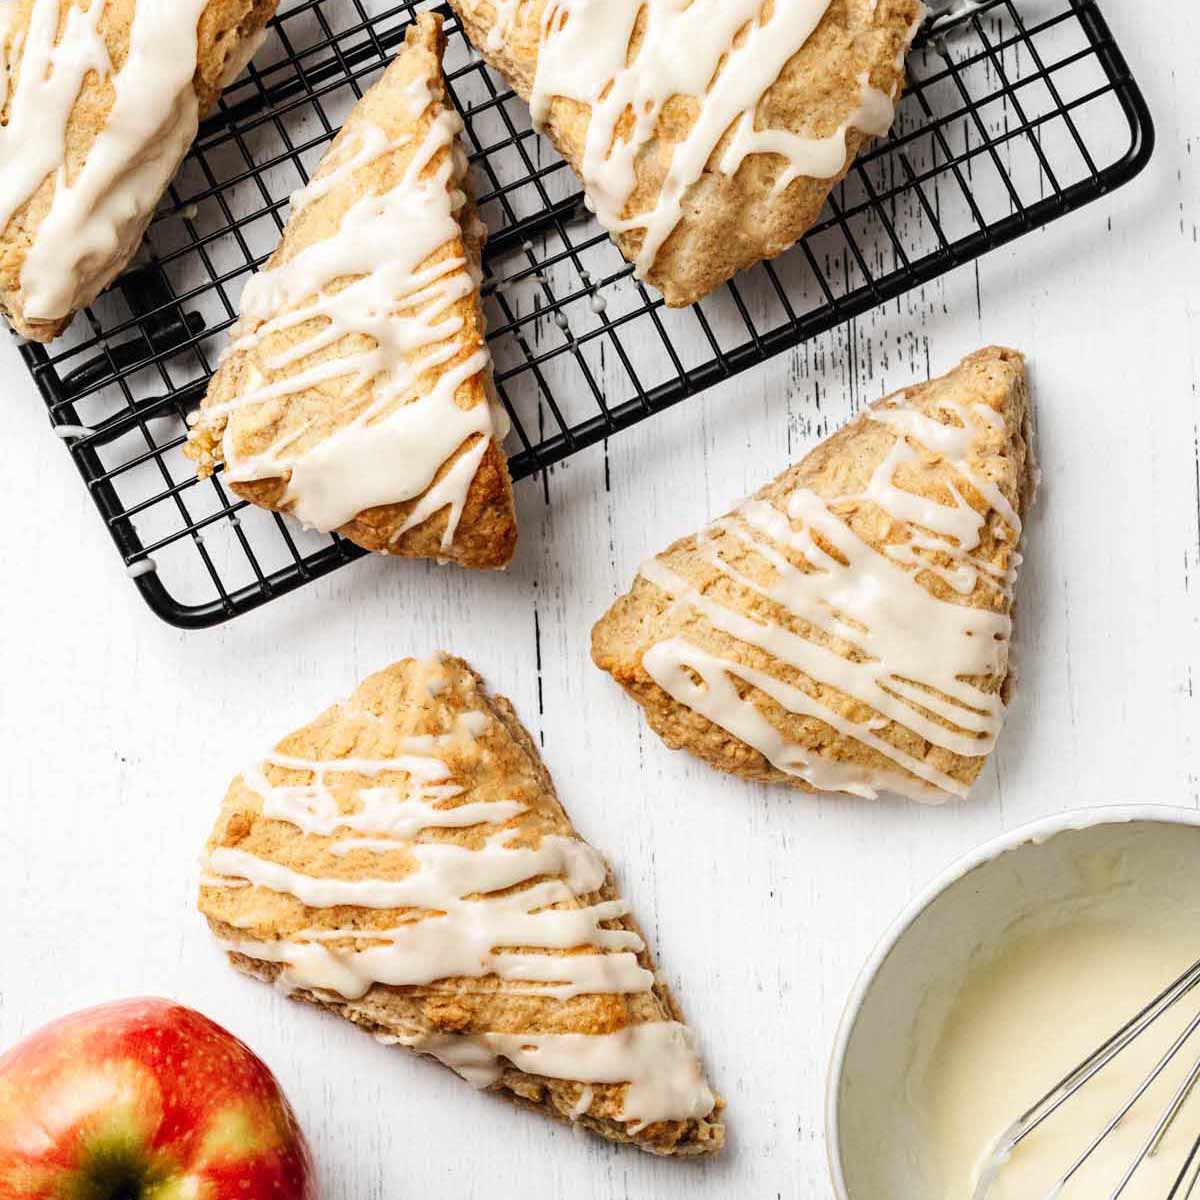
[{"x": 1016, "y": 114}]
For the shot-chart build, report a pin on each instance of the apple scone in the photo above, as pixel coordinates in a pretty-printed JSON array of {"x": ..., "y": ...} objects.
[
  {"x": 847, "y": 628},
  {"x": 708, "y": 134},
  {"x": 99, "y": 104},
  {"x": 356, "y": 393},
  {"x": 404, "y": 862}
]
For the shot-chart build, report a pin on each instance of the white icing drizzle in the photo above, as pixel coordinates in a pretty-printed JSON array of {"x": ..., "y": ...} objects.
[
  {"x": 459, "y": 905},
  {"x": 502, "y": 23},
  {"x": 817, "y": 158},
  {"x": 219, "y": 881},
  {"x": 368, "y": 282},
  {"x": 908, "y": 643},
  {"x": 727, "y": 54},
  {"x": 313, "y": 808},
  {"x": 656, "y": 1059},
  {"x": 954, "y": 10},
  {"x": 95, "y": 220},
  {"x": 241, "y": 60},
  {"x": 586, "y": 1095},
  {"x": 73, "y": 431},
  {"x": 144, "y": 566}
]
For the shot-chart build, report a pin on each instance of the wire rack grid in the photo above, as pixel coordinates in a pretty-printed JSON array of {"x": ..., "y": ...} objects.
[{"x": 1015, "y": 114}]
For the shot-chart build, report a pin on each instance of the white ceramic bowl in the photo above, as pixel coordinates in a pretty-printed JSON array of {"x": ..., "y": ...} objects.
[{"x": 873, "y": 1136}]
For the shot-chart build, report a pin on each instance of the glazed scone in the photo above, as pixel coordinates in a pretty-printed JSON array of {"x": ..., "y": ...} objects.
[
  {"x": 708, "y": 135},
  {"x": 357, "y": 393},
  {"x": 100, "y": 103},
  {"x": 847, "y": 628},
  {"x": 403, "y": 861}
]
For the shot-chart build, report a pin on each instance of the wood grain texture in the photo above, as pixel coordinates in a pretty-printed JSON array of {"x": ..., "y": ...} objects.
[{"x": 118, "y": 734}]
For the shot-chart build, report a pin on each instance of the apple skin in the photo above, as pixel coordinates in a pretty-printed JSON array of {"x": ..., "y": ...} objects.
[{"x": 145, "y": 1100}]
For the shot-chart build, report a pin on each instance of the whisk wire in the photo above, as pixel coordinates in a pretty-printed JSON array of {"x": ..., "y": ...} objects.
[
  {"x": 1190, "y": 1165},
  {"x": 1177, "y": 1104},
  {"x": 1066, "y": 1087},
  {"x": 1173, "y": 1108},
  {"x": 1070, "y": 1084},
  {"x": 1121, "y": 1113}
]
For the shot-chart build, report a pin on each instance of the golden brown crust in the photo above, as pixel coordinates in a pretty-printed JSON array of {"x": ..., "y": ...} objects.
[
  {"x": 729, "y": 222},
  {"x": 840, "y": 466},
  {"x": 501, "y": 764},
  {"x": 224, "y": 30},
  {"x": 486, "y": 535}
]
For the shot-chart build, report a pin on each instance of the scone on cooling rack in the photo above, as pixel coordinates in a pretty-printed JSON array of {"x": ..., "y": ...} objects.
[
  {"x": 356, "y": 393},
  {"x": 404, "y": 862},
  {"x": 847, "y": 628},
  {"x": 708, "y": 135},
  {"x": 100, "y": 103}
]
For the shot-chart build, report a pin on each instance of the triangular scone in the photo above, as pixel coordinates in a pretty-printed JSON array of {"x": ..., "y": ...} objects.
[
  {"x": 404, "y": 861},
  {"x": 100, "y": 103},
  {"x": 708, "y": 135},
  {"x": 357, "y": 391},
  {"x": 847, "y": 628}
]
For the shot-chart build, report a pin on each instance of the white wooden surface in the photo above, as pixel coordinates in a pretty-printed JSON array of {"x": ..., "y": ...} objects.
[{"x": 118, "y": 734}]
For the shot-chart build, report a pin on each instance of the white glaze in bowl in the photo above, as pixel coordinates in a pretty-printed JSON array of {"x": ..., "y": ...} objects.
[{"x": 878, "y": 1149}]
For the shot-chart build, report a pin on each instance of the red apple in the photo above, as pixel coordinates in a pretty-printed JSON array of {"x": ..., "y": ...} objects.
[{"x": 145, "y": 1100}]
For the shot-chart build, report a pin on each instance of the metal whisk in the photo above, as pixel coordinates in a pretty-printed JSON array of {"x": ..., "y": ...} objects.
[{"x": 1185, "y": 1184}]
